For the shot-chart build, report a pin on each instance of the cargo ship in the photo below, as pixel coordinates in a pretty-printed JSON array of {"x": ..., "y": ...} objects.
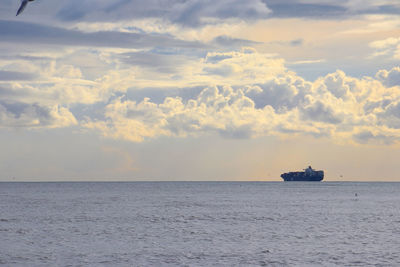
[{"x": 308, "y": 174}]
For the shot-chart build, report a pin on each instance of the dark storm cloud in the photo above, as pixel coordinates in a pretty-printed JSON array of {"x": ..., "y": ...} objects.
[{"x": 11, "y": 31}]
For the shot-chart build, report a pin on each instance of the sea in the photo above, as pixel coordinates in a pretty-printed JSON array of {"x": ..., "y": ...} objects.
[{"x": 200, "y": 224}]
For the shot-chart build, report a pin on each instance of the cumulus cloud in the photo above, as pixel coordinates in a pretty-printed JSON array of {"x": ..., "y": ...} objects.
[
  {"x": 20, "y": 114},
  {"x": 237, "y": 94},
  {"x": 215, "y": 110},
  {"x": 243, "y": 66},
  {"x": 389, "y": 78},
  {"x": 55, "y": 84},
  {"x": 45, "y": 101},
  {"x": 283, "y": 92},
  {"x": 335, "y": 105}
]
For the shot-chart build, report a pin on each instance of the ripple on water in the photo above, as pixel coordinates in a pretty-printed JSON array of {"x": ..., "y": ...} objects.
[{"x": 183, "y": 224}]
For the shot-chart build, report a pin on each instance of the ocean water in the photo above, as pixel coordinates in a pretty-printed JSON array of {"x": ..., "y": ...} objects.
[{"x": 200, "y": 224}]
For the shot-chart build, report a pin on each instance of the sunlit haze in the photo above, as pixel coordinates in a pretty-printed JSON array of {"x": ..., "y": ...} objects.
[{"x": 199, "y": 90}]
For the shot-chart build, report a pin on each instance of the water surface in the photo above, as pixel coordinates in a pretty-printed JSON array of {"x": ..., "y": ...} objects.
[{"x": 200, "y": 224}]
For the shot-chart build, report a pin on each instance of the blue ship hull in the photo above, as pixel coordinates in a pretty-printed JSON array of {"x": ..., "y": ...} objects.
[{"x": 316, "y": 176}]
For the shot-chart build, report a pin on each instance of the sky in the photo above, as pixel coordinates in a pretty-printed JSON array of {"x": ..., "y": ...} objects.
[{"x": 199, "y": 90}]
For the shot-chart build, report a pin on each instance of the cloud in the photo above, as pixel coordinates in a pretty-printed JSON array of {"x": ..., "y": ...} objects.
[
  {"x": 296, "y": 42},
  {"x": 243, "y": 66},
  {"x": 389, "y": 47},
  {"x": 367, "y": 136},
  {"x": 292, "y": 43},
  {"x": 373, "y": 7},
  {"x": 191, "y": 13},
  {"x": 336, "y": 105},
  {"x": 336, "y": 84},
  {"x": 197, "y": 13},
  {"x": 329, "y": 9},
  {"x": 215, "y": 110},
  {"x": 389, "y": 78},
  {"x": 158, "y": 62},
  {"x": 318, "y": 111},
  {"x": 32, "y": 33},
  {"x": 18, "y": 114},
  {"x": 57, "y": 84},
  {"x": 15, "y": 75},
  {"x": 230, "y": 42},
  {"x": 284, "y": 92},
  {"x": 290, "y": 9},
  {"x": 144, "y": 94}
]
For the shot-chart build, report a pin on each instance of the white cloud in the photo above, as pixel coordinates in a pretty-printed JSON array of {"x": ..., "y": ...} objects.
[
  {"x": 215, "y": 110},
  {"x": 339, "y": 106},
  {"x": 389, "y": 47},
  {"x": 242, "y": 94},
  {"x": 243, "y": 67},
  {"x": 389, "y": 78},
  {"x": 35, "y": 116}
]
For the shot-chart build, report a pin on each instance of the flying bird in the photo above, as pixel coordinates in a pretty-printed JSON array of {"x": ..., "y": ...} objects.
[{"x": 23, "y": 5}]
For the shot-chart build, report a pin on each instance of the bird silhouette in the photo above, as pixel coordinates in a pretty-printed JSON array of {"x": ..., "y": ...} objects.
[{"x": 23, "y": 5}]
